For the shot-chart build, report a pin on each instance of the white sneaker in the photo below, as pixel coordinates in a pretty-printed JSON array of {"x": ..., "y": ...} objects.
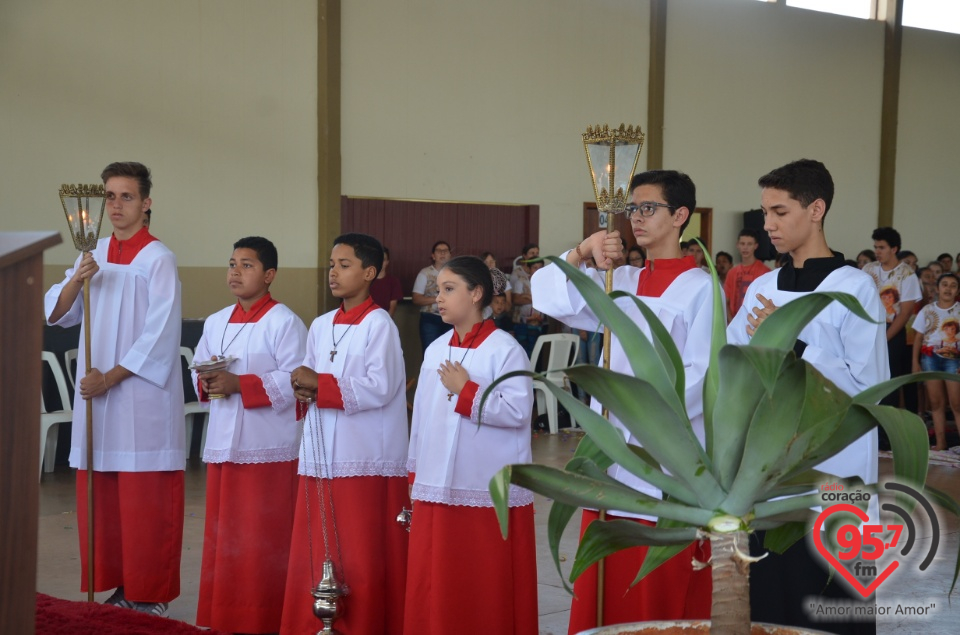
[
  {"x": 153, "y": 608},
  {"x": 117, "y": 599}
]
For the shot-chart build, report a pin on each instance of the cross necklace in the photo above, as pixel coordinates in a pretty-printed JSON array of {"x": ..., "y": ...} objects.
[
  {"x": 450, "y": 354},
  {"x": 223, "y": 349},
  {"x": 336, "y": 342}
]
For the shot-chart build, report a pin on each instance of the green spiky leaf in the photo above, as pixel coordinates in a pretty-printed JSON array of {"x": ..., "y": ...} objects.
[{"x": 603, "y": 538}]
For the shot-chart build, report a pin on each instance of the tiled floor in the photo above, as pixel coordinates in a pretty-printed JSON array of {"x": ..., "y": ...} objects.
[{"x": 59, "y": 564}]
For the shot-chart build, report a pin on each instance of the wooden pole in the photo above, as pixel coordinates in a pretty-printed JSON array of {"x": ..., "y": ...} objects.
[
  {"x": 606, "y": 415},
  {"x": 89, "y": 403},
  {"x": 889, "y": 109}
]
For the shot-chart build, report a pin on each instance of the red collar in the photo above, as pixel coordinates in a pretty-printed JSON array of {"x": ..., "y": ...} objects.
[
  {"x": 122, "y": 252},
  {"x": 480, "y": 331},
  {"x": 257, "y": 310},
  {"x": 356, "y": 314},
  {"x": 659, "y": 274}
]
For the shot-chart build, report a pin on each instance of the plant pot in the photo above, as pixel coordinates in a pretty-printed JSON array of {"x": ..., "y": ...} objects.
[{"x": 692, "y": 627}]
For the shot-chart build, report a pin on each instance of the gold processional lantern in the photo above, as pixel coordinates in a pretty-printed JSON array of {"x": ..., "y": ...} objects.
[
  {"x": 612, "y": 155},
  {"x": 83, "y": 206}
]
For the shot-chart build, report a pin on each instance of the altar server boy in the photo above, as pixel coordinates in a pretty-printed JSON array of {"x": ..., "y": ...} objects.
[
  {"x": 680, "y": 293},
  {"x": 136, "y": 385},
  {"x": 351, "y": 389},
  {"x": 849, "y": 351},
  {"x": 251, "y": 449}
]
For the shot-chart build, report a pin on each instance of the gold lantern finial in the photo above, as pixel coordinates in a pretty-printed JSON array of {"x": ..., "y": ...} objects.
[
  {"x": 612, "y": 156},
  {"x": 83, "y": 206}
]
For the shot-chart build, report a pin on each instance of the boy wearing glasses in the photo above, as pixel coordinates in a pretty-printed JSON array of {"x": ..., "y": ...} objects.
[{"x": 681, "y": 294}]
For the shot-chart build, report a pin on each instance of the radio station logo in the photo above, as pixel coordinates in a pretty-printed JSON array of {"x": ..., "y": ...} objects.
[{"x": 868, "y": 554}]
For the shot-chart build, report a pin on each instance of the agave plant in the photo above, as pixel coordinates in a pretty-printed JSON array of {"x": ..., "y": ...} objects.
[{"x": 769, "y": 419}]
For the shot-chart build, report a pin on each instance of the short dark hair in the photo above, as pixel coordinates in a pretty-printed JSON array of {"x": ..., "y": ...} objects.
[
  {"x": 130, "y": 169},
  {"x": 484, "y": 255},
  {"x": 746, "y": 232},
  {"x": 438, "y": 243},
  {"x": 474, "y": 272},
  {"x": 725, "y": 255},
  {"x": 889, "y": 235},
  {"x": 944, "y": 255},
  {"x": 869, "y": 254},
  {"x": 528, "y": 247},
  {"x": 266, "y": 251},
  {"x": 677, "y": 189},
  {"x": 684, "y": 244},
  {"x": 805, "y": 180},
  {"x": 948, "y": 274},
  {"x": 367, "y": 248},
  {"x": 906, "y": 254}
]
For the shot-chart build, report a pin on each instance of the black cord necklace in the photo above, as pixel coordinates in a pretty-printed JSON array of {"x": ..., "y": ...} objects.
[
  {"x": 336, "y": 342},
  {"x": 223, "y": 349},
  {"x": 450, "y": 353}
]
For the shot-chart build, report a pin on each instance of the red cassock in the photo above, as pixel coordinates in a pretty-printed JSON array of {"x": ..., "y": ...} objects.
[
  {"x": 373, "y": 548},
  {"x": 138, "y": 533},
  {"x": 246, "y": 546},
  {"x": 464, "y": 578},
  {"x": 672, "y": 591}
]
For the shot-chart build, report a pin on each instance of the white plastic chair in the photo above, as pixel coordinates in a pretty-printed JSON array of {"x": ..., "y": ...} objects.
[
  {"x": 70, "y": 361},
  {"x": 49, "y": 421},
  {"x": 561, "y": 354},
  {"x": 192, "y": 408}
]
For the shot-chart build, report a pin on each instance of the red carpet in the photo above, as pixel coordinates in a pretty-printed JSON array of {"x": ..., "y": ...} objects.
[{"x": 63, "y": 617}]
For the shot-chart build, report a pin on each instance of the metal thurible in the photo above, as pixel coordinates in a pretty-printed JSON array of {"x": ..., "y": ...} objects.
[
  {"x": 404, "y": 518},
  {"x": 326, "y": 599}
]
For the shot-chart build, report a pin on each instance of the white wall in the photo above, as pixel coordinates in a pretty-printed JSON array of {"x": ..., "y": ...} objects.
[
  {"x": 457, "y": 100},
  {"x": 752, "y": 86},
  {"x": 927, "y": 203},
  {"x": 486, "y": 101},
  {"x": 218, "y": 98}
]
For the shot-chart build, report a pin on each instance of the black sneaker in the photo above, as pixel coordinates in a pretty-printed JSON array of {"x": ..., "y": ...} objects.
[{"x": 117, "y": 599}]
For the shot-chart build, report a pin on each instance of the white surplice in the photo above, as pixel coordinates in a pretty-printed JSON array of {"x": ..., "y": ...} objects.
[
  {"x": 135, "y": 315},
  {"x": 271, "y": 348},
  {"x": 369, "y": 436},
  {"x": 685, "y": 309},
  {"x": 454, "y": 457},
  {"x": 846, "y": 349}
]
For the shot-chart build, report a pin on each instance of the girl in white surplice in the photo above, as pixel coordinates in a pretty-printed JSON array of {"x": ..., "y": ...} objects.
[{"x": 462, "y": 576}]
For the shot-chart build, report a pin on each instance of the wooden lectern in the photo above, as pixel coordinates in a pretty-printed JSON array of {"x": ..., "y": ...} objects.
[{"x": 21, "y": 341}]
